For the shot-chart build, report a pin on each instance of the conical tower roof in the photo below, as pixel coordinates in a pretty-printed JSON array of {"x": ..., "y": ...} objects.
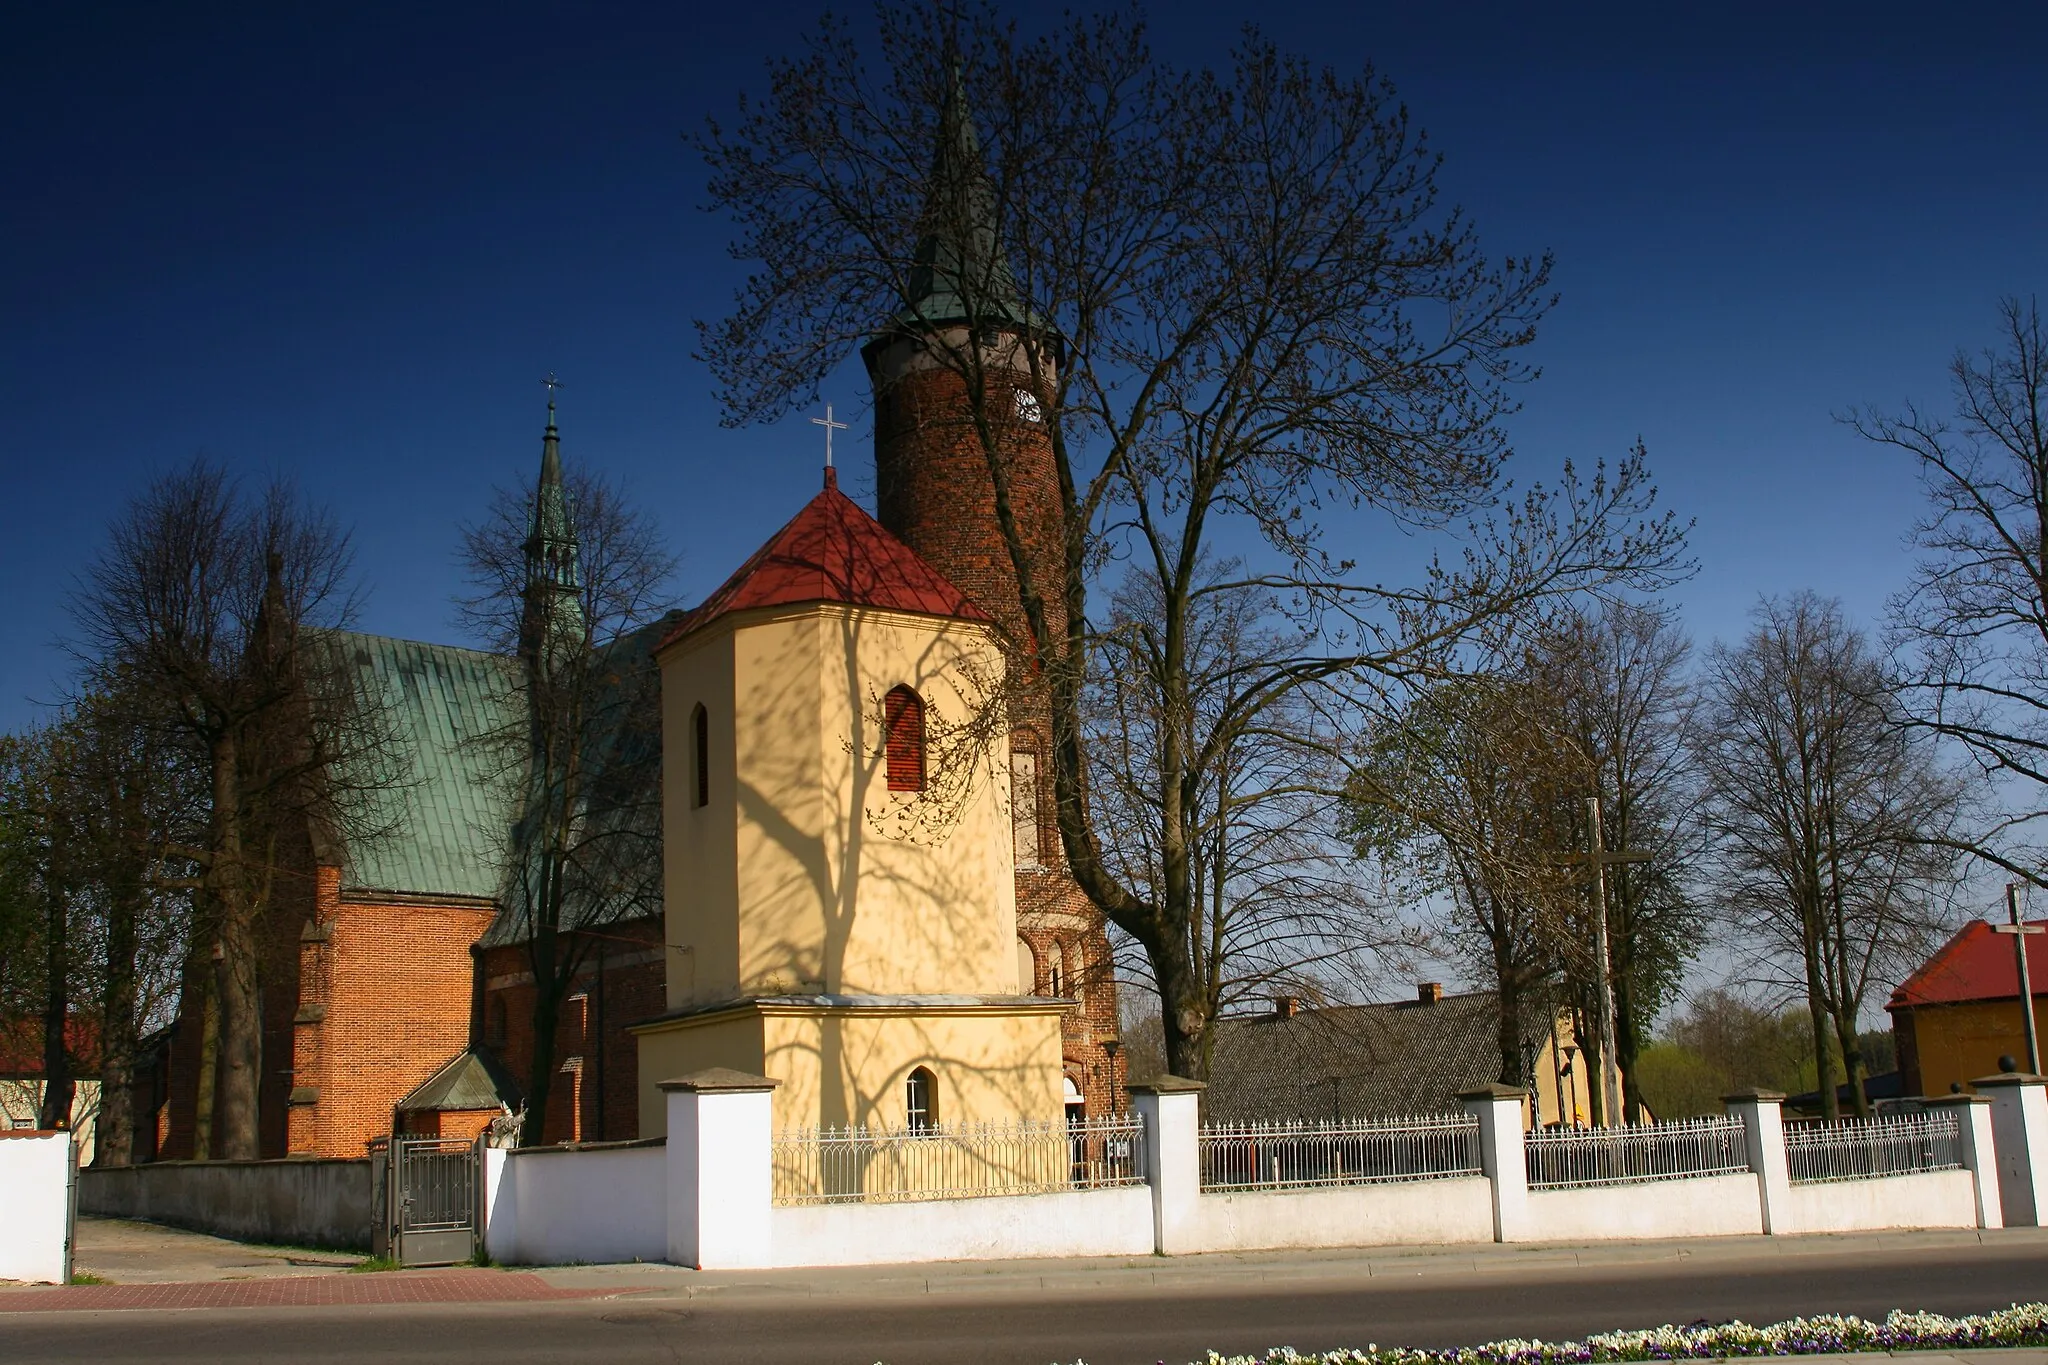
[{"x": 960, "y": 272}]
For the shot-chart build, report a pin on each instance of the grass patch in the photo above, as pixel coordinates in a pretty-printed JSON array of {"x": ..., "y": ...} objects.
[
  {"x": 370, "y": 1265},
  {"x": 87, "y": 1277}
]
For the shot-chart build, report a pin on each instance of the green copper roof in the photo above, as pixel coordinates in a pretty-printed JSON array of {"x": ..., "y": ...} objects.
[
  {"x": 960, "y": 272},
  {"x": 446, "y": 814},
  {"x": 468, "y": 1081}
]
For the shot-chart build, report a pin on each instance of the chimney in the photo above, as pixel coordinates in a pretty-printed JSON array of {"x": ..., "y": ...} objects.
[
  {"x": 1286, "y": 1006},
  {"x": 1429, "y": 992}
]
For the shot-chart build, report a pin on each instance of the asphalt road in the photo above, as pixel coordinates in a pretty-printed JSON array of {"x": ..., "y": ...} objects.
[{"x": 1102, "y": 1326}]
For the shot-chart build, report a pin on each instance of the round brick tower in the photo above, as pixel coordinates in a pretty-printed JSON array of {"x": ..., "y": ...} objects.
[{"x": 933, "y": 490}]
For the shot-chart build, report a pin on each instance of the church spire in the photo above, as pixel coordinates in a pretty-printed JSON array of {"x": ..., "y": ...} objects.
[
  {"x": 960, "y": 272},
  {"x": 553, "y": 593}
]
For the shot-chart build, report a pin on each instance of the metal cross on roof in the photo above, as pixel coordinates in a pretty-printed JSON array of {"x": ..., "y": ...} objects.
[{"x": 830, "y": 427}]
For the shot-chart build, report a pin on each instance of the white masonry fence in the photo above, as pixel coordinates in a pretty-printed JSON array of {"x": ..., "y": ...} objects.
[
  {"x": 726, "y": 1190},
  {"x": 1276, "y": 1156},
  {"x": 1565, "y": 1158},
  {"x": 858, "y": 1165},
  {"x": 1865, "y": 1149}
]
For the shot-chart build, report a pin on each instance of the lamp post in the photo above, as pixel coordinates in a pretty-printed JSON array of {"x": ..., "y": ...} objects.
[
  {"x": 2019, "y": 931},
  {"x": 1598, "y": 858}
]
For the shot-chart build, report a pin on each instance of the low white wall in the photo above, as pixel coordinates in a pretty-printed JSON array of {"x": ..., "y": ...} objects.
[
  {"x": 1074, "y": 1223},
  {"x": 1928, "y": 1199},
  {"x": 36, "y": 1170},
  {"x": 554, "y": 1205},
  {"x": 1707, "y": 1206},
  {"x": 1410, "y": 1212}
]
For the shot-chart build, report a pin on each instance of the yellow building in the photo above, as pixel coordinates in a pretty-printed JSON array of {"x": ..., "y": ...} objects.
[
  {"x": 1959, "y": 1013},
  {"x": 839, "y": 875}
]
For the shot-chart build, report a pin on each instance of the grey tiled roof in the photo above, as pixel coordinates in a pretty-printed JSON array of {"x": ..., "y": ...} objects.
[{"x": 1357, "y": 1061}]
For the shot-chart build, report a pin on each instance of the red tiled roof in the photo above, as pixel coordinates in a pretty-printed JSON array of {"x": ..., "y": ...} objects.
[
  {"x": 832, "y": 551},
  {"x": 1975, "y": 965}
]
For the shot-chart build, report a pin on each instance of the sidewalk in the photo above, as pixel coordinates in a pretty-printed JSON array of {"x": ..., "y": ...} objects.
[
  {"x": 158, "y": 1267},
  {"x": 1277, "y": 1269}
]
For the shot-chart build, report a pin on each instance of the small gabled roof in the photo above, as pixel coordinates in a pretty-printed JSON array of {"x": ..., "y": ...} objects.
[
  {"x": 833, "y": 551},
  {"x": 1976, "y": 964},
  {"x": 471, "y": 1079}
]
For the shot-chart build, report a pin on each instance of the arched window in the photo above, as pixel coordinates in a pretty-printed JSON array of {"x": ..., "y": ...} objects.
[
  {"x": 919, "y": 1107},
  {"x": 1027, "y": 968},
  {"x": 1059, "y": 970},
  {"x": 903, "y": 726},
  {"x": 700, "y": 756}
]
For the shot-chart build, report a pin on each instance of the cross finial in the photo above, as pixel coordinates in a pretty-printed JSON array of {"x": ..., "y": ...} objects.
[
  {"x": 551, "y": 384},
  {"x": 830, "y": 427}
]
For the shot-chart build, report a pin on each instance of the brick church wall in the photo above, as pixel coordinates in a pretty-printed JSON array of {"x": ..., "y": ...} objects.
[
  {"x": 933, "y": 491},
  {"x": 622, "y": 985},
  {"x": 384, "y": 1003}
]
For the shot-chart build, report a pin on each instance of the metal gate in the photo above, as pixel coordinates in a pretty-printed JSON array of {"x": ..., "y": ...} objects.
[{"x": 433, "y": 1194}]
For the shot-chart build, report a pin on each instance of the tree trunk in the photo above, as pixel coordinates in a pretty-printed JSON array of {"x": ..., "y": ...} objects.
[
  {"x": 241, "y": 1025},
  {"x": 540, "y": 1074},
  {"x": 1508, "y": 1019},
  {"x": 114, "y": 1143},
  {"x": 206, "y": 1083},
  {"x": 1823, "y": 1052},
  {"x": 58, "y": 1086},
  {"x": 1182, "y": 1012}
]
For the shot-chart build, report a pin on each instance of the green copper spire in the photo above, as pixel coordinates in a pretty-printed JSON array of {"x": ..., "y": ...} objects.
[
  {"x": 960, "y": 272},
  {"x": 553, "y": 593}
]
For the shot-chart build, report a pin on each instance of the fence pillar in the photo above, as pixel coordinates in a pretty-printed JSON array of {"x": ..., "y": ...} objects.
[
  {"x": 2019, "y": 1134},
  {"x": 1172, "y": 1110},
  {"x": 1763, "y": 1121},
  {"x": 721, "y": 1178},
  {"x": 1502, "y": 1155},
  {"x": 1980, "y": 1154}
]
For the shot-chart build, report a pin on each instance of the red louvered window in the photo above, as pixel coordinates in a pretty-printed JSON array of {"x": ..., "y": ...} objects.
[{"x": 903, "y": 723}]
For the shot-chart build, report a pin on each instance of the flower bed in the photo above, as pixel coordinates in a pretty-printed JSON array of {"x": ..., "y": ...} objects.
[{"x": 2021, "y": 1325}]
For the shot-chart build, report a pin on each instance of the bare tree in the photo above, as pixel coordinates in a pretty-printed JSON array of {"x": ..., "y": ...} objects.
[
  {"x": 1617, "y": 677},
  {"x": 1236, "y": 304},
  {"x": 201, "y": 607},
  {"x": 1278, "y": 901},
  {"x": 1974, "y": 620},
  {"x": 1469, "y": 794},
  {"x": 45, "y": 962},
  {"x": 1835, "y": 825},
  {"x": 88, "y": 806},
  {"x": 569, "y": 583}
]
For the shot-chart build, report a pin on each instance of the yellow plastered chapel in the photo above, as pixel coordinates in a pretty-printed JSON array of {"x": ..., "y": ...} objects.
[{"x": 839, "y": 868}]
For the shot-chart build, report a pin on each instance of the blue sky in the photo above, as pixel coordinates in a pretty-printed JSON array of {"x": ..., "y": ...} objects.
[{"x": 346, "y": 242}]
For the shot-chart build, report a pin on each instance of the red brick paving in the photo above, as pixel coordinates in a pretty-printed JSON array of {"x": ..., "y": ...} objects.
[{"x": 429, "y": 1286}]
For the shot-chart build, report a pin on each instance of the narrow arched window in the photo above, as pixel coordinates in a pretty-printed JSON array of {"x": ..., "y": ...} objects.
[
  {"x": 903, "y": 726},
  {"x": 1027, "y": 968},
  {"x": 919, "y": 1104},
  {"x": 700, "y": 756},
  {"x": 1059, "y": 970}
]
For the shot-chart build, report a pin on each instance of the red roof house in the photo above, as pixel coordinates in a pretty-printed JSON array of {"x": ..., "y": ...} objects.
[{"x": 1959, "y": 1013}]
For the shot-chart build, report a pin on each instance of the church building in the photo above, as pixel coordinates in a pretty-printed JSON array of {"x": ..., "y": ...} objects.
[{"x": 854, "y": 880}]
